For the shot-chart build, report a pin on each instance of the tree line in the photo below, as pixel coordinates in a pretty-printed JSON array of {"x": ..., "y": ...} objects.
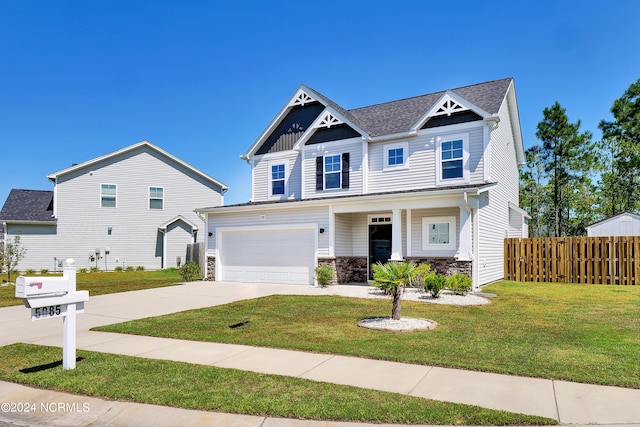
[{"x": 570, "y": 180}]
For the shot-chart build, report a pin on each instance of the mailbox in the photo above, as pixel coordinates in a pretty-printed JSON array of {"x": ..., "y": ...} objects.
[{"x": 27, "y": 287}]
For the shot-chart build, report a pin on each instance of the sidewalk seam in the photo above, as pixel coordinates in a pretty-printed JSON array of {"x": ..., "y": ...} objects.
[
  {"x": 410, "y": 393},
  {"x": 555, "y": 399},
  {"x": 301, "y": 375}
]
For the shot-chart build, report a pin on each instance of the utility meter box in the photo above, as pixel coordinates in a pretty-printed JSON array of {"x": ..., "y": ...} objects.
[{"x": 27, "y": 287}]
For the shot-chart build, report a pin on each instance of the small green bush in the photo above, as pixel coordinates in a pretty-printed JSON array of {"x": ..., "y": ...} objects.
[
  {"x": 129, "y": 268},
  {"x": 324, "y": 275},
  {"x": 118, "y": 268},
  {"x": 190, "y": 271},
  {"x": 94, "y": 269},
  {"x": 459, "y": 284},
  {"x": 29, "y": 271},
  {"x": 420, "y": 273},
  {"x": 44, "y": 271},
  {"x": 140, "y": 268},
  {"x": 82, "y": 270},
  {"x": 434, "y": 283}
]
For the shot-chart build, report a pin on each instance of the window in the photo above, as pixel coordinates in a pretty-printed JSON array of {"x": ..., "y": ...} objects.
[
  {"x": 439, "y": 233},
  {"x": 277, "y": 179},
  {"x": 108, "y": 195},
  {"x": 156, "y": 198},
  {"x": 452, "y": 159},
  {"x": 332, "y": 171},
  {"x": 395, "y": 155}
]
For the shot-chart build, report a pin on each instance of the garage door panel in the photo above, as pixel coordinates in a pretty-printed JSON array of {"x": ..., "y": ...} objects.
[{"x": 272, "y": 256}]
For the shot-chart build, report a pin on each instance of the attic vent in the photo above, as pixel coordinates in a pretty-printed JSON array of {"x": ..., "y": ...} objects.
[
  {"x": 329, "y": 120},
  {"x": 302, "y": 99},
  {"x": 448, "y": 107}
]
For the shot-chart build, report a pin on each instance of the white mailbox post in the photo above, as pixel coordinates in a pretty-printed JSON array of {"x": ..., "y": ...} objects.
[{"x": 49, "y": 297}]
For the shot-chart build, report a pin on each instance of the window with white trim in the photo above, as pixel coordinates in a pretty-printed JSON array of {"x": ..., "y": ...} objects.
[
  {"x": 108, "y": 195},
  {"x": 332, "y": 171},
  {"x": 156, "y": 198},
  {"x": 452, "y": 154},
  {"x": 277, "y": 179},
  {"x": 395, "y": 155},
  {"x": 439, "y": 233}
]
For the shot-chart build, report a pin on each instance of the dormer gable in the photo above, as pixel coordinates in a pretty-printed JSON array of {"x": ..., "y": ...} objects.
[{"x": 449, "y": 109}]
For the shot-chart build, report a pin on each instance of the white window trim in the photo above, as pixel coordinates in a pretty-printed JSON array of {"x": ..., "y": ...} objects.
[
  {"x": 155, "y": 198},
  {"x": 451, "y": 246},
  {"x": 405, "y": 156},
  {"x": 339, "y": 172},
  {"x": 465, "y": 159},
  {"x": 270, "y": 164},
  {"x": 116, "y": 196}
]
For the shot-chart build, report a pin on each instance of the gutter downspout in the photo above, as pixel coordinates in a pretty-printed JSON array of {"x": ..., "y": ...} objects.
[
  {"x": 473, "y": 253},
  {"x": 205, "y": 238}
]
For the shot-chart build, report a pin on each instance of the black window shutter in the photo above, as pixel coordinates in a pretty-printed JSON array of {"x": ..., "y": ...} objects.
[
  {"x": 319, "y": 173},
  {"x": 345, "y": 170}
]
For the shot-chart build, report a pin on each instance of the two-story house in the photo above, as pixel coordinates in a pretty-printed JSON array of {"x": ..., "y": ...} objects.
[
  {"x": 133, "y": 207},
  {"x": 432, "y": 178}
]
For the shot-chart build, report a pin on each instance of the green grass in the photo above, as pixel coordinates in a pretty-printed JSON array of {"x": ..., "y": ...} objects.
[
  {"x": 582, "y": 333},
  {"x": 100, "y": 283},
  {"x": 228, "y": 390}
]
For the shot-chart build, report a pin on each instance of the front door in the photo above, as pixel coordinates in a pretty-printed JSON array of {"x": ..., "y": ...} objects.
[{"x": 379, "y": 245}]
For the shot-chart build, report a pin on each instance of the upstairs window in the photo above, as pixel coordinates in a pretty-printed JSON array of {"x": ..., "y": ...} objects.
[
  {"x": 395, "y": 155},
  {"x": 452, "y": 159},
  {"x": 332, "y": 172},
  {"x": 277, "y": 179},
  {"x": 108, "y": 195},
  {"x": 156, "y": 198},
  {"x": 332, "y": 169}
]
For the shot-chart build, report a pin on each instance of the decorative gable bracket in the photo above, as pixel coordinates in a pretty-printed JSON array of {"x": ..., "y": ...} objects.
[
  {"x": 301, "y": 99},
  {"x": 448, "y": 106},
  {"x": 328, "y": 120}
]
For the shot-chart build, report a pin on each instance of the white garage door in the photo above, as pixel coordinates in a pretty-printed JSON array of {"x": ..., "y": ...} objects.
[{"x": 270, "y": 256}]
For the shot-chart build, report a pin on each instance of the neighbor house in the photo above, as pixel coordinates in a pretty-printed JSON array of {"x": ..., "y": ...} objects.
[
  {"x": 133, "y": 207},
  {"x": 433, "y": 178}
]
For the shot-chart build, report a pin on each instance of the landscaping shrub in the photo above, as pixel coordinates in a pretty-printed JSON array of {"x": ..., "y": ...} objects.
[
  {"x": 94, "y": 269},
  {"x": 140, "y": 268},
  {"x": 82, "y": 270},
  {"x": 44, "y": 271},
  {"x": 420, "y": 273},
  {"x": 459, "y": 284},
  {"x": 324, "y": 275},
  {"x": 118, "y": 268},
  {"x": 434, "y": 283},
  {"x": 129, "y": 268},
  {"x": 190, "y": 271},
  {"x": 30, "y": 271}
]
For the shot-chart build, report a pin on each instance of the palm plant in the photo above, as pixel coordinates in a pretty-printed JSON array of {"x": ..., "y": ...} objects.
[{"x": 392, "y": 277}]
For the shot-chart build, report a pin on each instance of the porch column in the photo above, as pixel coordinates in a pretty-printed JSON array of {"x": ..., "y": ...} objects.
[
  {"x": 332, "y": 232},
  {"x": 396, "y": 235},
  {"x": 464, "y": 249}
]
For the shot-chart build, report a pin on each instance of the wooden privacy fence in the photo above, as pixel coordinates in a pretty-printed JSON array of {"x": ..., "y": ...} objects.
[{"x": 606, "y": 260}]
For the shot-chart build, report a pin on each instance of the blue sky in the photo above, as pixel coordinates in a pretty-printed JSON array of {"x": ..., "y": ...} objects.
[{"x": 202, "y": 79}]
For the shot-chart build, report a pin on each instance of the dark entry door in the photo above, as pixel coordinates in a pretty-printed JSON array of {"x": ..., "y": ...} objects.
[{"x": 379, "y": 245}]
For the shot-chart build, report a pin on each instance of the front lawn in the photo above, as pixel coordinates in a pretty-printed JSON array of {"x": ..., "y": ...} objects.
[
  {"x": 209, "y": 388},
  {"x": 100, "y": 283},
  {"x": 582, "y": 333}
]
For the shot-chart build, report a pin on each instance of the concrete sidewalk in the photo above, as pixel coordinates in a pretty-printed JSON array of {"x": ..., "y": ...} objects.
[{"x": 569, "y": 403}]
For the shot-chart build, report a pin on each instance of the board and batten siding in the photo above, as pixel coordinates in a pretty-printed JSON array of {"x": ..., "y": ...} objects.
[
  {"x": 493, "y": 215},
  {"x": 420, "y": 171},
  {"x": 352, "y": 146},
  {"x": 263, "y": 219},
  {"x": 262, "y": 171},
  {"x": 135, "y": 237}
]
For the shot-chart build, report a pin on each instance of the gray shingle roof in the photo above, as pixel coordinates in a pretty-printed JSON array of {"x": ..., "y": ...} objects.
[
  {"x": 399, "y": 116},
  {"x": 28, "y": 205}
]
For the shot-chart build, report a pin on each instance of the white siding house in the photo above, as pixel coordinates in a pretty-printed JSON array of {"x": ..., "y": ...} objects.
[
  {"x": 134, "y": 207},
  {"x": 432, "y": 178}
]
